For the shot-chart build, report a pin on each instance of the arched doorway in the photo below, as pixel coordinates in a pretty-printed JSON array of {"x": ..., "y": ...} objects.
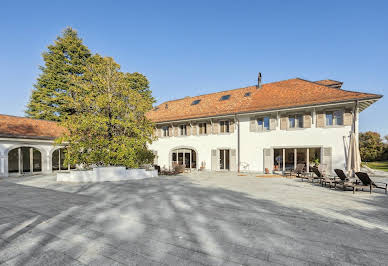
[
  {"x": 24, "y": 160},
  {"x": 185, "y": 156},
  {"x": 58, "y": 160}
]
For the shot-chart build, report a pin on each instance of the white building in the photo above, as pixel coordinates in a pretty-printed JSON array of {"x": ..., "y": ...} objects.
[
  {"x": 269, "y": 127},
  {"x": 27, "y": 146},
  {"x": 262, "y": 128}
]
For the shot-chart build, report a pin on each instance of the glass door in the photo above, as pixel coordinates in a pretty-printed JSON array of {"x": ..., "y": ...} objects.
[{"x": 224, "y": 160}]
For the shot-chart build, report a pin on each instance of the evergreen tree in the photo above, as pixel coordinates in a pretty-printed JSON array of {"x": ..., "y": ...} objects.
[
  {"x": 109, "y": 126},
  {"x": 65, "y": 58}
]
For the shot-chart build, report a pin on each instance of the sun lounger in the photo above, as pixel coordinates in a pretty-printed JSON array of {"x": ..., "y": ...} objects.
[
  {"x": 344, "y": 181},
  {"x": 366, "y": 182}
]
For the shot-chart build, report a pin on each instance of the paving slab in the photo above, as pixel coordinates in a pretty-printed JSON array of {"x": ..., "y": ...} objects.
[{"x": 192, "y": 219}]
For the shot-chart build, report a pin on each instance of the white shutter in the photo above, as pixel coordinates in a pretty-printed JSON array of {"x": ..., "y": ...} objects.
[
  {"x": 268, "y": 161},
  {"x": 252, "y": 125},
  {"x": 214, "y": 160},
  {"x": 327, "y": 159},
  {"x": 233, "y": 160},
  {"x": 272, "y": 123}
]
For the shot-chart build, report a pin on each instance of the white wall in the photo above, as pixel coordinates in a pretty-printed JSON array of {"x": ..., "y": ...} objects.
[
  {"x": 253, "y": 143},
  {"x": 202, "y": 144}
]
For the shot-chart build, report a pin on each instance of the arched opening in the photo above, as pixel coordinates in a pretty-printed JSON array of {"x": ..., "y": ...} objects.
[
  {"x": 184, "y": 156},
  {"x": 58, "y": 160},
  {"x": 24, "y": 160}
]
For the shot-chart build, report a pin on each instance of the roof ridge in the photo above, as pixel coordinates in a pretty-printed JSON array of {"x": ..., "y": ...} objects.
[
  {"x": 340, "y": 89},
  {"x": 30, "y": 118}
]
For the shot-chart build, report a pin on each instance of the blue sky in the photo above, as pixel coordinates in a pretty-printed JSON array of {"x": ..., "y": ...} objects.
[{"x": 187, "y": 48}]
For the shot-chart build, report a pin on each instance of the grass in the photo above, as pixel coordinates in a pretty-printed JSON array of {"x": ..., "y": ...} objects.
[{"x": 381, "y": 165}]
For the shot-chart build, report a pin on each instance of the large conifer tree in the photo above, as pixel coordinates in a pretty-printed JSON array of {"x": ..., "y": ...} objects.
[{"x": 65, "y": 58}]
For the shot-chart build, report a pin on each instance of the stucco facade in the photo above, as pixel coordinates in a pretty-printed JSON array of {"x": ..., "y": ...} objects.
[{"x": 251, "y": 147}]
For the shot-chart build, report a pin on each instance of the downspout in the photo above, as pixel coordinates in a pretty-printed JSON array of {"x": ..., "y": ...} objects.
[{"x": 238, "y": 143}]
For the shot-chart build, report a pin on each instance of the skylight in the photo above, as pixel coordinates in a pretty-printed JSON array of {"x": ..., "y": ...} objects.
[
  {"x": 247, "y": 94},
  {"x": 195, "y": 102},
  {"x": 225, "y": 97}
]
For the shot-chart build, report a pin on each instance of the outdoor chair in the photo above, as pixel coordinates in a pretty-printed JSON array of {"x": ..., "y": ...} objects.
[
  {"x": 344, "y": 180},
  {"x": 368, "y": 183},
  {"x": 324, "y": 180},
  {"x": 298, "y": 171}
]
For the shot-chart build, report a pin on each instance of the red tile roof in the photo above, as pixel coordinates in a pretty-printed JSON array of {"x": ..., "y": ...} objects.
[
  {"x": 22, "y": 127},
  {"x": 330, "y": 83},
  {"x": 271, "y": 96}
]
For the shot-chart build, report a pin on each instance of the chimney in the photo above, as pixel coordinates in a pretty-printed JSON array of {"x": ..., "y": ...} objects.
[{"x": 259, "y": 81}]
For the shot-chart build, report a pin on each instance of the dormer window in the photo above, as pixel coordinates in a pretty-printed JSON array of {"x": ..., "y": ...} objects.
[
  {"x": 195, "y": 102},
  {"x": 225, "y": 97}
]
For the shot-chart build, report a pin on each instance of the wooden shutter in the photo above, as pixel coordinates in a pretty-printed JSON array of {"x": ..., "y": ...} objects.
[
  {"x": 283, "y": 122},
  {"x": 320, "y": 119},
  {"x": 188, "y": 127},
  {"x": 208, "y": 128},
  {"x": 267, "y": 160},
  {"x": 307, "y": 120},
  {"x": 252, "y": 124},
  {"x": 233, "y": 160},
  {"x": 348, "y": 118},
  {"x": 272, "y": 123},
  {"x": 216, "y": 127},
  {"x": 231, "y": 126},
  {"x": 194, "y": 131},
  {"x": 327, "y": 159},
  {"x": 170, "y": 132},
  {"x": 214, "y": 160},
  {"x": 176, "y": 131}
]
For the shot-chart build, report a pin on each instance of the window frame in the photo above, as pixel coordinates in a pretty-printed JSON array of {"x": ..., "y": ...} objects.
[
  {"x": 226, "y": 123},
  {"x": 181, "y": 129},
  {"x": 262, "y": 119},
  {"x": 334, "y": 118},
  {"x": 298, "y": 123},
  {"x": 204, "y": 127},
  {"x": 166, "y": 133}
]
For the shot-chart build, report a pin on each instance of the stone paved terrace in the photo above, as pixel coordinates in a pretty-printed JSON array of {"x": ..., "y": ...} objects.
[{"x": 196, "y": 219}]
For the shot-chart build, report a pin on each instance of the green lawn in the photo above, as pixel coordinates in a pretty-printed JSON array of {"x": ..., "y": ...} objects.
[{"x": 382, "y": 165}]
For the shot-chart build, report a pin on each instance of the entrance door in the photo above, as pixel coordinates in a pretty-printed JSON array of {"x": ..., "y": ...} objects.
[{"x": 224, "y": 160}]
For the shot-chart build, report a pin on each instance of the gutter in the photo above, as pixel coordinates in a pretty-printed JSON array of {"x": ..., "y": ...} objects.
[{"x": 238, "y": 143}]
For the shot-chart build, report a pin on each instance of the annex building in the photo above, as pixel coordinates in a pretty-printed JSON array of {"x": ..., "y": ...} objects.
[{"x": 261, "y": 128}]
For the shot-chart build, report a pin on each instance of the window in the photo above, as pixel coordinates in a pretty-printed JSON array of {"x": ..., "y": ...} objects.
[
  {"x": 202, "y": 128},
  {"x": 295, "y": 121},
  {"x": 334, "y": 118},
  {"x": 224, "y": 126},
  {"x": 183, "y": 130},
  {"x": 195, "y": 102},
  {"x": 166, "y": 131},
  {"x": 263, "y": 123},
  {"x": 225, "y": 97},
  {"x": 247, "y": 94}
]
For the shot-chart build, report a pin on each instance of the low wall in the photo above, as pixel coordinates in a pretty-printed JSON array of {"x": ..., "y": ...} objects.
[{"x": 102, "y": 174}]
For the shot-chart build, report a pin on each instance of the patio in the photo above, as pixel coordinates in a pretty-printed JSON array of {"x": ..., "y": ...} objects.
[{"x": 196, "y": 219}]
